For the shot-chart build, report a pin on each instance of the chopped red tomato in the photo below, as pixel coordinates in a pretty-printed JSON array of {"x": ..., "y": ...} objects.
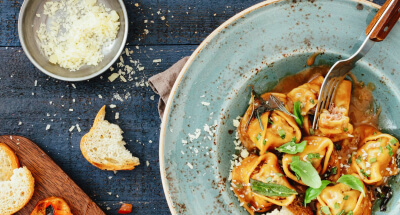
[{"x": 125, "y": 209}]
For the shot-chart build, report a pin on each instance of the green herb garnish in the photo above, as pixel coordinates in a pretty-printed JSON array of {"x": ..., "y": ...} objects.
[
  {"x": 258, "y": 136},
  {"x": 270, "y": 121},
  {"x": 380, "y": 148},
  {"x": 297, "y": 113},
  {"x": 269, "y": 179},
  {"x": 338, "y": 147},
  {"x": 312, "y": 101},
  {"x": 358, "y": 159},
  {"x": 346, "y": 197},
  {"x": 336, "y": 205},
  {"x": 350, "y": 159},
  {"x": 353, "y": 182},
  {"x": 372, "y": 160},
  {"x": 282, "y": 133},
  {"x": 393, "y": 141},
  {"x": 345, "y": 129},
  {"x": 334, "y": 170},
  {"x": 312, "y": 132},
  {"x": 291, "y": 147},
  {"x": 312, "y": 193},
  {"x": 264, "y": 142},
  {"x": 279, "y": 174},
  {"x": 364, "y": 173},
  {"x": 325, "y": 210},
  {"x": 341, "y": 212},
  {"x": 390, "y": 149},
  {"x": 310, "y": 156},
  {"x": 350, "y": 213},
  {"x": 306, "y": 172},
  {"x": 268, "y": 189}
]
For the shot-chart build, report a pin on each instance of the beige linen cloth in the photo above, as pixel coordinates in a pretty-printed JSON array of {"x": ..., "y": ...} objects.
[{"x": 163, "y": 82}]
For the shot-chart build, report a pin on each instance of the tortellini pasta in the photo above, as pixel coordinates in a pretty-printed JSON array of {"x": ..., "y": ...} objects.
[
  {"x": 318, "y": 152},
  {"x": 335, "y": 122},
  {"x": 307, "y": 94},
  {"x": 332, "y": 168},
  {"x": 341, "y": 199},
  {"x": 376, "y": 159},
  {"x": 277, "y": 128},
  {"x": 263, "y": 168}
]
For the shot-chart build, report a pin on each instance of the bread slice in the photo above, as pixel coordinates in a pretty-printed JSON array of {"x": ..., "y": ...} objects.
[
  {"x": 104, "y": 147},
  {"x": 8, "y": 162},
  {"x": 59, "y": 205},
  {"x": 16, "y": 192}
]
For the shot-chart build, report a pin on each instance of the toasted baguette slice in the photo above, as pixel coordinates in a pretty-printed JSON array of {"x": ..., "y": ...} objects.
[
  {"x": 8, "y": 162},
  {"x": 16, "y": 192},
  {"x": 104, "y": 148},
  {"x": 59, "y": 206}
]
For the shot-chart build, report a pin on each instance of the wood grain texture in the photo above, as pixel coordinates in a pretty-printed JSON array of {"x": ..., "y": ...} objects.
[
  {"x": 50, "y": 180},
  {"x": 387, "y": 23}
]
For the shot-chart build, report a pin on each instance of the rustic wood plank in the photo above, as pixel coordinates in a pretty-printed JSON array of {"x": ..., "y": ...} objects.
[
  {"x": 138, "y": 118},
  {"x": 167, "y": 22},
  {"x": 50, "y": 180}
]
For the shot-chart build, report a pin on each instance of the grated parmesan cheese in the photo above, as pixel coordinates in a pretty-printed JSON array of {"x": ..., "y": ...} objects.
[{"x": 75, "y": 37}]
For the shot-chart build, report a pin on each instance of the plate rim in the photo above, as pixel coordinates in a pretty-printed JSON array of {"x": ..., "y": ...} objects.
[{"x": 184, "y": 70}]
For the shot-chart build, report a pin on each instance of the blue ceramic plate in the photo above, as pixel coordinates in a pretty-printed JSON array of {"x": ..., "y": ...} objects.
[{"x": 260, "y": 46}]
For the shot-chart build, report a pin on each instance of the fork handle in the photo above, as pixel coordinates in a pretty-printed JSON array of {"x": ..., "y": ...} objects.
[{"x": 389, "y": 19}]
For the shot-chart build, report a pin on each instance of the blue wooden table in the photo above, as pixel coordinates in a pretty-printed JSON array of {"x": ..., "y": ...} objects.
[{"x": 160, "y": 33}]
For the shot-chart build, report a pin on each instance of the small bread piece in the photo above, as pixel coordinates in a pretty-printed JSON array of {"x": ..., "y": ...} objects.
[
  {"x": 60, "y": 206},
  {"x": 8, "y": 162},
  {"x": 16, "y": 192},
  {"x": 104, "y": 147}
]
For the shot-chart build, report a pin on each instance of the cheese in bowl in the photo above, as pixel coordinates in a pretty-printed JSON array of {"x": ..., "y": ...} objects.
[{"x": 76, "y": 32}]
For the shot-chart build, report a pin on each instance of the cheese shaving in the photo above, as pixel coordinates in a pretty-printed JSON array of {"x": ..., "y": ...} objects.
[{"x": 76, "y": 34}]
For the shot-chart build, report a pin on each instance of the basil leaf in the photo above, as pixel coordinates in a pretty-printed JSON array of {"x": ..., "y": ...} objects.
[
  {"x": 312, "y": 193},
  {"x": 353, "y": 182},
  {"x": 307, "y": 173},
  {"x": 292, "y": 148},
  {"x": 297, "y": 113},
  {"x": 268, "y": 189},
  {"x": 325, "y": 210}
]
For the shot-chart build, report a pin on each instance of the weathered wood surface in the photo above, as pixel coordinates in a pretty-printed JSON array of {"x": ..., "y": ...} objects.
[
  {"x": 50, "y": 180},
  {"x": 25, "y": 109}
]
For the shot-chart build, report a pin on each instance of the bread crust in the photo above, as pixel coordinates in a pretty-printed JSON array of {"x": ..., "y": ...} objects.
[
  {"x": 31, "y": 182},
  {"x": 58, "y": 203},
  {"x": 12, "y": 157},
  {"x": 100, "y": 117}
]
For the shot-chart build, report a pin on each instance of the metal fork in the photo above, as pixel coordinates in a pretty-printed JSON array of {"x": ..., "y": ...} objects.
[{"x": 377, "y": 31}]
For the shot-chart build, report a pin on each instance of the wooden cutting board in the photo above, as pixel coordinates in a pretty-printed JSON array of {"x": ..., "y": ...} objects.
[{"x": 50, "y": 180}]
